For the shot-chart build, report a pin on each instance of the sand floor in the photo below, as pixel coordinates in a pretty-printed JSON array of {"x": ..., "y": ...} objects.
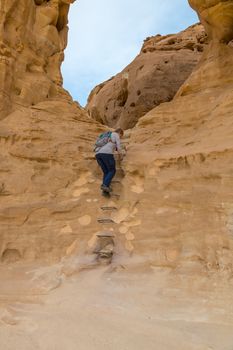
[{"x": 99, "y": 309}]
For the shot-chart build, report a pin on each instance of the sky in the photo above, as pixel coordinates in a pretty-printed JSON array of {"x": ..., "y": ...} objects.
[{"x": 106, "y": 35}]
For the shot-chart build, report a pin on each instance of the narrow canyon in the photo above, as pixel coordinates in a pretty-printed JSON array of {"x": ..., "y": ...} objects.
[{"x": 151, "y": 267}]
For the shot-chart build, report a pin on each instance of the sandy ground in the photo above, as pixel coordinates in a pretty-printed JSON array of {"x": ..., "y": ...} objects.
[{"x": 99, "y": 309}]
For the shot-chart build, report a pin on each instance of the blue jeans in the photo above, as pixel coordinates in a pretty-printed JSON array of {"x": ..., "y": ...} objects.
[{"x": 108, "y": 166}]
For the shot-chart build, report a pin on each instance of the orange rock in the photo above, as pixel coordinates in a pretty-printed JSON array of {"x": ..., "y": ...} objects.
[
  {"x": 155, "y": 75},
  {"x": 31, "y": 52}
]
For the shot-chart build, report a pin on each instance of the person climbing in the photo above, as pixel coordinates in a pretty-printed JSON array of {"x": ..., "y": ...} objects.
[{"x": 105, "y": 147}]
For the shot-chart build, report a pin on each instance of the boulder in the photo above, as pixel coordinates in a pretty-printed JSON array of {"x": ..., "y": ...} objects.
[{"x": 154, "y": 77}]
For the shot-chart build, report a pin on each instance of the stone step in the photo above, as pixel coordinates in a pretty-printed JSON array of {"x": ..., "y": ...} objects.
[
  {"x": 105, "y": 221},
  {"x": 104, "y": 248},
  {"x": 105, "y": 235},
  {"x": 108, "y": 208},
  {"x": 115, "y": 195}
]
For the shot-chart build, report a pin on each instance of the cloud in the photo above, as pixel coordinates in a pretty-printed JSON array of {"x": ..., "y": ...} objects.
[{"x": 106, "y": 35}]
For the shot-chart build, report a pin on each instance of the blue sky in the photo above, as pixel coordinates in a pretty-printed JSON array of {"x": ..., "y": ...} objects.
[{"x": 106, "y": 35}]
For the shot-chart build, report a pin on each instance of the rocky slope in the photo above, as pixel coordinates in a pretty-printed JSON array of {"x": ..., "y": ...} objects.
[
  {"x": 45, "y": 139},
  {"x": 155, "y": 75},
  {"x": 173, "y": 184},
  {"x": 175, "y": 206}
]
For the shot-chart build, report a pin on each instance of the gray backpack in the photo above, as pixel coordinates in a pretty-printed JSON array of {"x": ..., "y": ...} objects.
[{"x": 102, "y": 140}]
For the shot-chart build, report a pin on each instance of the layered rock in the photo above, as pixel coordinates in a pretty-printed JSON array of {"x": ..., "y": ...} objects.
[
  {"x": 179, "y": 163},
  {"x": 173, "y": 218},
  {"x": 45, "y": 138},
  {"x": 33, "y": 38},
  {"x": 175, "y": 207},
  {"x": 217, "y": 17},
  {"x": 42, "y": 158},
  {"x": 154, "y": 77}
]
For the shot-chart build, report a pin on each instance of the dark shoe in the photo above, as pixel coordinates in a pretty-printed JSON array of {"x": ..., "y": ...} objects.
[
  {"x": 105, "y": 188},
  {"x": 106, "y": 194}
]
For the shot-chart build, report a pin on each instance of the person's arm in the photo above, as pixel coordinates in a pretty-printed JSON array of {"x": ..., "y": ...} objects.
[
  {"x": 118, "y": 146},
  {"x": 118, "y": 143}
]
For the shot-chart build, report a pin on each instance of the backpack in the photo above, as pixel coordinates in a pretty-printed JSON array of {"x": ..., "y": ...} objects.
[{"x": 102, "y": 140}]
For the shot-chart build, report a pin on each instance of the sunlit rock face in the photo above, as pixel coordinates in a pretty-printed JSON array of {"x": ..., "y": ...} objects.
[
  {"x": 154, "y": 77},
  {"x": 217, "y": 17},
  {"x": 179, "y": 163},
  {"x": 46, "y": 169},
  {"x": 33, "y": 38},
  {"x": 46, "y": 140},
  {"x": 167, "y": 234},
  {"x": 175, "y": 207},
  {"x": 215, "y": 68}
]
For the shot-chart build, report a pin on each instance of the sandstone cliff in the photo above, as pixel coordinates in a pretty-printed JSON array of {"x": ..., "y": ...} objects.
[
  {"x": 173, "y": 184},
  {"x": 33, "y": 39},
  {"x": 178, "y": 154},
  {"x": 45, "y": 139},
  {"x": 180, "y": 160},
  {"x": 155, "y": 75}
]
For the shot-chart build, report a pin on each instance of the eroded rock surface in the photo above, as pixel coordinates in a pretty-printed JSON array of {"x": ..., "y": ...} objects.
[
  {"x": 167, "y": 236},
  {"x": 217, "y": 17},
  {"x": 45, "y": 138},
  {"x": 43, "y": 158},
  {"x": 180, "y": 164},
  {"x": 174, "y": 205},
  {"x": 33, "y": 36},
  {"x": 155, "y": 75}
]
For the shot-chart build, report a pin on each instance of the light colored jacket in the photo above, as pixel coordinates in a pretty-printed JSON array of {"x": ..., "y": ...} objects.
[{"x": 111, "y": 146}]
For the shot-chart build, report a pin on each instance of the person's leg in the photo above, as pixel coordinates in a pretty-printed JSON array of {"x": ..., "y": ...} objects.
[
  {"x": 111, "y": 167},
  {"x": 101, "y": 161}
]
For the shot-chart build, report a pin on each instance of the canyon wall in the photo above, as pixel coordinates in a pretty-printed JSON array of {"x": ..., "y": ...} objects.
[
  {"x": 33, "y": 38},
  {"x": 172, "y": 206},
  {"x": 163, "y": 242},
  {"x": 154, "y": 77},
  {"x": 179, "y": 162},
  {"x": 46, "y": 140}
]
